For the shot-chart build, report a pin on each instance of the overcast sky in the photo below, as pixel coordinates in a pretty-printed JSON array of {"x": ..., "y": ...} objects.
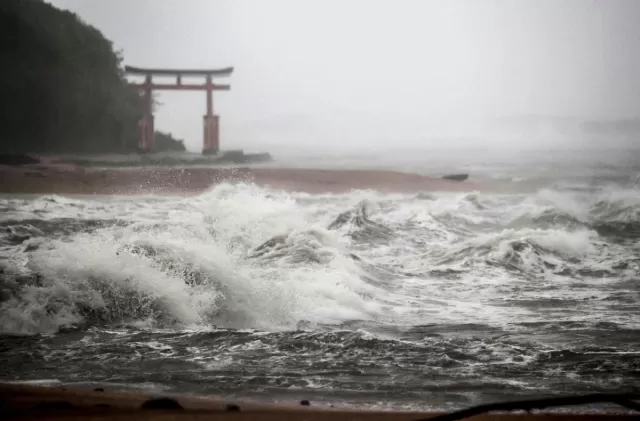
[{"x": 332, "y": 72}]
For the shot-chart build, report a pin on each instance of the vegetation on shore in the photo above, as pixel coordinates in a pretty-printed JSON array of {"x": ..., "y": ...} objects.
[
  {"x": 166, "y": 142},
  {"x": 63, "y": 86}
]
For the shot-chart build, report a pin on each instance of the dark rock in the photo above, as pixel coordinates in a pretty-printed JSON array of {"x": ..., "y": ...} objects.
[
  {"x": 239, "y": 157},
  {"x": 305, "y": 402},
  {"x": 258, "y": 157},
  {"x": 55, "y": 405},
  {"x": 102, "y": 405},
  {"x": 161, "y": 403},
  {"x": 456, "y": 177},
  {"x": 232, "y": 407},
  {"x": 17, "y": 159},
  {"x": 98, "y": 389},
  {"x": 233, "y": 156}
]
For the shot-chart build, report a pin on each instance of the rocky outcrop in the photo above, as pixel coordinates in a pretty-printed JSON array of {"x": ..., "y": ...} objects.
[{"x": 456, "y": 177}]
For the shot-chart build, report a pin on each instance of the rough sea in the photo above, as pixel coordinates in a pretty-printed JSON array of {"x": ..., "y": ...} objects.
[{"x": 396, "y": 301}]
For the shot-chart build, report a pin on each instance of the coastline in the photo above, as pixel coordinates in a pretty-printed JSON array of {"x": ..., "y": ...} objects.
[
  {"x": 100, "y": 403},
  {"x": 73, "y": 180}
]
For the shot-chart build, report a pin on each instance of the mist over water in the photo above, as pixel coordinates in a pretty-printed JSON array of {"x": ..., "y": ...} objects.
[{"x": 423, "y": 300}]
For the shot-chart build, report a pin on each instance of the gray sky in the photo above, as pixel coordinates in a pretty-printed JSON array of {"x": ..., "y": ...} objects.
[{"x": 333, "y": 72}]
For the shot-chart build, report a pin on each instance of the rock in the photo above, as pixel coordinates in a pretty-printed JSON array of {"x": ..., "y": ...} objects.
[
  {"x": 18, "y": 159},
  {"x": 161, "y": 403},
  {"x": 55, "y": 405},
  {"x": 239, "y": 157},
  {"x": 232, "y": 407},
  {"x": 456, "y": 177}
]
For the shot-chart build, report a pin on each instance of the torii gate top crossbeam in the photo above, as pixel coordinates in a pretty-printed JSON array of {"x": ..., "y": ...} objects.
[{"x": 179, "y": 72}]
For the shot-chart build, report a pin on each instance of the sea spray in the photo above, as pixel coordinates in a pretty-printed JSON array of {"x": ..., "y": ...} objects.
[
  {"x": 405, "y": 295},
  {"x": 191, "y": 267}
]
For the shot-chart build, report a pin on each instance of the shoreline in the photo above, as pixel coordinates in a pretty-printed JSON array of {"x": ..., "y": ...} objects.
[
  {"x": 73, "y": 180},
  {"x": 68, "y": 402}
]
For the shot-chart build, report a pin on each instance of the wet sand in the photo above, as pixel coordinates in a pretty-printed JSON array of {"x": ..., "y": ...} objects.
[
  {"x": 57, "y": 403},
  {"x": 66, "y": 179}
]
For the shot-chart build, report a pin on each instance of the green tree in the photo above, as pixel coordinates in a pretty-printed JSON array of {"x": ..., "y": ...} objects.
[{"x": 62, "y": 85}]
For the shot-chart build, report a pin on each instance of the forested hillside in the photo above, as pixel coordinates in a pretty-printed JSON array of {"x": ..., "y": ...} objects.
[{"x": 62, "y": 86}]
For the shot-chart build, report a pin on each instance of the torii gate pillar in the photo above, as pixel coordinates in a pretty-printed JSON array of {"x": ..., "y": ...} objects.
[
  {"x": 211, "y": 126},
  {"x": 145, "y": 125},
  {"x": 211, "y": 135}
]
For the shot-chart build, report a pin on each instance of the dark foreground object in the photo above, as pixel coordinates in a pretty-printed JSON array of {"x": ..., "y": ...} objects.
[
  {"x": 18, "y": 159},
  {"x": 456, "y": 177},
  {"x": 60, "y": 403}
]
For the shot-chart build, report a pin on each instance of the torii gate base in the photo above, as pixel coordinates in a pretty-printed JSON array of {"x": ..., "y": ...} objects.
[
  {"x": 211, "y": 122},
  {"x": 211, "y": 126},
  {"x": 147, "y": 133}
]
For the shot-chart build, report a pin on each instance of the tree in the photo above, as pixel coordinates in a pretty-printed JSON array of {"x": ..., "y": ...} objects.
[{"x": 62, "y": 85}]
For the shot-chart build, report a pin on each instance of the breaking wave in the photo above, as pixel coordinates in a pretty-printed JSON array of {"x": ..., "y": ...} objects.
[
  {"x": 460, "y": 297},
  {"x": 244, "y": 257}
]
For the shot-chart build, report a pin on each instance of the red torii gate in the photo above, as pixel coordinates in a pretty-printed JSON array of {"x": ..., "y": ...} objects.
[{"x": 211, "y": 143}]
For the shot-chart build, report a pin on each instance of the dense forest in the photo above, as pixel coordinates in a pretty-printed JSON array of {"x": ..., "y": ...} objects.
[{"x": 62, "y": 85}]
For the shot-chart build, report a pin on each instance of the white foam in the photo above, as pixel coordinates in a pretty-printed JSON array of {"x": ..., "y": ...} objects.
[{"x": 211, "y": 235}]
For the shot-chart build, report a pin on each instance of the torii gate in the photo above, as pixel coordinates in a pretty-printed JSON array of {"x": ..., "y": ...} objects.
[{"x": 211, "y": 143}]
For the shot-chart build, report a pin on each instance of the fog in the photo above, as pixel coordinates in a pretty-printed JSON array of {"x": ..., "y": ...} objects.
[{"x": 329, "y": 75}]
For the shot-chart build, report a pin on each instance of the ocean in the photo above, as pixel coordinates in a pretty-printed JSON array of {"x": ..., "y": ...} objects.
[{"x": 420, "y": 301}]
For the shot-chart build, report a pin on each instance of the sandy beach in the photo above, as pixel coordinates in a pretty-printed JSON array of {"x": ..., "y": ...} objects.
[
  {"x": 55, "y": 402},
  {"x": 67, "y": 179}
]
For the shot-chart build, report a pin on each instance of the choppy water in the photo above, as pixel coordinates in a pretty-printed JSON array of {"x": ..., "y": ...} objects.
[{"x": 396, "y": 301}]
